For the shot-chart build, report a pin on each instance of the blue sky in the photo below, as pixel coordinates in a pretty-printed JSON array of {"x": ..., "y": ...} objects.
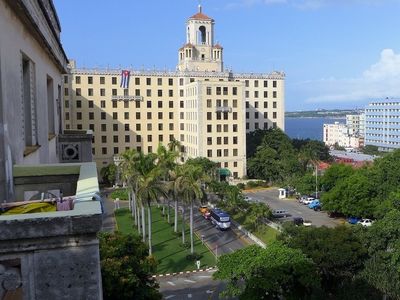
[{"x": 335, "y": 53}]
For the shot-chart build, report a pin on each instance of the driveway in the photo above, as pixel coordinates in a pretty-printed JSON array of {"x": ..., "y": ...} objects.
[{"x": 295, "y": 209}]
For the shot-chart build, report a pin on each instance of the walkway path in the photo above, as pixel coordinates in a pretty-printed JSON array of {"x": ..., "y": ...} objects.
[{"x": 109, "y": 206}]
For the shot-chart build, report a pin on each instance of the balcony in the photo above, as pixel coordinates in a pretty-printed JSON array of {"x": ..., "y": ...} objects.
[
  {"x": 75, "y": 146},
  {"x": 224, "y": 109}
]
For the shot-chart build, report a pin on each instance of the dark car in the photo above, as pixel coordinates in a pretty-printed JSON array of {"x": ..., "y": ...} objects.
[
  {"x": 353, "y": 220},
  {"x": 298, "y": 221},
  {"x": 317, "y": 207}
]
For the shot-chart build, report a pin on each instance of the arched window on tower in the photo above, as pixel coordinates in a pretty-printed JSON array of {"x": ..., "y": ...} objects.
[{"x": 202, "y": 35}]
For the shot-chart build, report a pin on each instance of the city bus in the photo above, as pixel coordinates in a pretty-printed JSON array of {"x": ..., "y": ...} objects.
[{"x": 220, "y": 218}]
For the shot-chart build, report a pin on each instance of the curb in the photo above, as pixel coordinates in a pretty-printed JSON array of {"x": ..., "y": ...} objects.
[{"x": 183, "y": 272}]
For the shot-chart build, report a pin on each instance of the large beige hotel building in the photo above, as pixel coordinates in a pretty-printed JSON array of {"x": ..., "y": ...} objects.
[{"x": 202, "y": 105}]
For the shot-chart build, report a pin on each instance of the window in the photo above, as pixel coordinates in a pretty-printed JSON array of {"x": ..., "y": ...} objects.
[
  {"x": 225, "y": 90},
  {"x": 126, "y": 127},
  {"x": 209, "y": 153},
  {"x": 181, "y": 93},
  {"x": 137, "y": 81},
  {"x": 219, "y": 152},
  {"x": 103, "y": 115},
  {"x": 234, "y": 115},
  {"x": 181, "y": 104},
  {"x": 274, "y": 115},
  {"x": 171, "y": 104},
  {"x": 149, "y": 115},
  {"x": 102, "y": 80},
  {"x": 78, "y": 79},
  {"x": 79, "y": 126},
  {"x": 226, "y": 152},
  {"x": 90, "y": 80},
  {"x": 234, "y": 91},
  {"x": 171, "y": 115},
  {"x": 235, "y": 129},
  {"x": 115, "y": 116},
  {"x": 255, "y": 83},
  {"x": 171, "y": 126},
  {"x": 226, "y": 140},
  {"x": 116, "y": 150},
  {"x": 247, "y": 94},
  {"x": 225, "y": 127},
  {"x": 265, "y": 104},
  {"x": 67, "y": 116},
  {"x": 256, "y": 115},
  {"x": 114, "y": 80},
  {"x": 138, "y": 127},
  {"x": 246, "y": 83},
  {"x": 170, "y": 81},
  {"x": 265, "y": 125},
  {"x": 93, "y": 151},
  {"x": 256, "y": 104},
  {"x": 209, "y": 128},
  {"x": 127, "y": 139},
  {"x": 209, "y": 115},
  {"x": 66, "y": 92},
  {"x": 247, "y": 114},
  {"x": 265, "y": 83},
  {"x": 115, "y": 127},
  {"x": 265, "y": 94},
  {"x": 149, "y": 149},
  {"x": 91, "y": 116},
  {"x": 115, "y": 104},
  {"x": 104, "y": 139},
  {"x": 159, "y": 104},
  {"x": 209, "y": 103},
  {"x": 138, "y": 138},
  {"x": 104, "y": 150},
  {"x": 274, "y": 104},
  {"x": 160, "y": 115},
  {"x": 137, "y": 92},
  {"x": 219, "y": 128},
  {"x": 126, "y": 115},
  {"x": 102, "y": 92},
  {"x": 247, "y": 125},
  {"x": 159, "y": 93},
  {"x": 137, "y": 104},
  {"x": 180, "y": 81},
  {"x": 138, "y": 116},
  {"x": 160, "y": 126},
  {"x": 115, "y": 138},
  {"x": 256, "y": 125},
  {"x": 219, "y": 140},
  {"x": 66, "y": 103},
  {"x": 148, "y": 81},
  {"x": 90, "y": 92},
  {"x": 159, "y": 81},
  {"x": 255, "y": 94},
  {"x": 274, "y": 94},
  {"x": 274, "y": 125},
  {"x": 247, "y": 104},
  {"x": 235, "y": 140},
  {"x": 149, "y": 127},
  {"x": 65, "y": 79},
  {"x": 103, "y": 127},
  {"x": 148, "y": 104},
  {"x": 218, "y": 90},
  {"x": 234, "y": 104},
  {"x": 126, "y": 104},
  {"x": 90, "y": 103},
  {"x": 170, "y": 93},
  {"x": 78, "y": 92},
  {"x": 209, "y": 141},
  {"x": 265, "y": 115},
  {"x": 79, "y": 116},
  {"x": 148, "y": 93},
  {"x": 274, "y": 83},
  {"x": 209, "y": 90}
]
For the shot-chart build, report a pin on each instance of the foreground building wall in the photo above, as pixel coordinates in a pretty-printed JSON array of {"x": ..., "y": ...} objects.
[{"x": 31, "y": 63}]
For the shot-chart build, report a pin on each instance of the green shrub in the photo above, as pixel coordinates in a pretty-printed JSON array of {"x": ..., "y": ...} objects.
[
  {"x": 193, "y": 256},
  {"x": 185, "y": 245},
  {"x": 122, "y": 194},
  {"x": 241, "y": 186}
]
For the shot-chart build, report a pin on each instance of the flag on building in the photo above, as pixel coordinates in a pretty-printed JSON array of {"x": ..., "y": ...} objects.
[{"x": 125, "y": 79}]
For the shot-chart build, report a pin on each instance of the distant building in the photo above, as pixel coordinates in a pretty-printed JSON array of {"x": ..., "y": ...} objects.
[
  {"x": 207, "y": 108},
  {"x": 382, "y": 124},
  {"x": 338, "y": 134}
]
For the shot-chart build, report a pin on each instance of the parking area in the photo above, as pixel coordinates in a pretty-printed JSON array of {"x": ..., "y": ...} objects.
[{"x": 293, "y": 207}]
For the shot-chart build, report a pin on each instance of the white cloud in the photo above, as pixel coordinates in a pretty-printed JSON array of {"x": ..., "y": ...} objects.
[{"x": 380, "y": 80}]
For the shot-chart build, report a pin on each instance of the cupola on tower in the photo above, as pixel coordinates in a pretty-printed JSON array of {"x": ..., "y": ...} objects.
[{"x": 200, "y": 53}]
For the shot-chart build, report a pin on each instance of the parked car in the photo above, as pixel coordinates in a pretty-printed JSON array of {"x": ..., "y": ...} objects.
[
  {"x": 308, "y": 200},
  {"x": 307, "y": 223},
  {"x": 302, "y": 198},
  {"x": 203, "y": 209},
  {"x": 298, "y": 221},
  {"x": 365, "y": 222},
  {"x": 317, "y": 207},
  {"x": 314, "y": 203},
  {"x": 280, "y": 213},
  {"x": 353, "y": 220}
]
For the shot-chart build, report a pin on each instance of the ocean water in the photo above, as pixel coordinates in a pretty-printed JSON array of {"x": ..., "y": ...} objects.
[{"x": 308, "y": 128}]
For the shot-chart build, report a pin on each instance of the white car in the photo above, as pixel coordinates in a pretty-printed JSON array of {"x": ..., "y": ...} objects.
[
  {"x": 365, "y": 222},
  {"x": 308, "y": 200},
  {"x": 307, "y": 223}
]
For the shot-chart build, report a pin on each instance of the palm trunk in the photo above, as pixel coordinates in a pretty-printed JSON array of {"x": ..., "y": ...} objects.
[
  {"x": 176, "y": 216},
  {"x": 138, "y": 218},
  {"x": 183, "y": 224},
  {"x": 163, "y": 209},
  {"x": 191, "y": 227},
  {"x": 134, "y": 207},
  {"x": 149, "y": 223},
  {"x": 168, "y": 211},
  {"x": 143, "y": 224}
]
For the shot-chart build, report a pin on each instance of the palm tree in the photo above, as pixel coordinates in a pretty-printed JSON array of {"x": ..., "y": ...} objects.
[
  {"x": 189, "y": 186},
  {"x": 150, "y": 188}
]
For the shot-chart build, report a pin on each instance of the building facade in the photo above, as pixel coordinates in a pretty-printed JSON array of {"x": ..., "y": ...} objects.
[
  {"x": 32, "y": 62},
  {"x": 208, "y": 109},
  {"x": 382, "y": 124}
]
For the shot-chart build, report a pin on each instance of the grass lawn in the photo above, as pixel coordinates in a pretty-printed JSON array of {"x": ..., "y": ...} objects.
[
  {"x": 167, "y": 249},
  {"x": 266, "y": 233}
]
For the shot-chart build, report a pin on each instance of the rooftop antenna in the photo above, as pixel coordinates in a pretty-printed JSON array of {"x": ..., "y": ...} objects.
[{"x": 199, "y": 6}]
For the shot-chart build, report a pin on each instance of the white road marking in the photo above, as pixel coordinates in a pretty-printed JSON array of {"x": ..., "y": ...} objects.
[
  {"x": 189, "y": 295},
  {"x": 171, "y": 283},
  {"x": 170, "y": 296},
  {"x": 231, "y": 249},
  {"x": 190, "y": 281}
]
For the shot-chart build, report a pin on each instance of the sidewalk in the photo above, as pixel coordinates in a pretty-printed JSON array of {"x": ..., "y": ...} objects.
[{"x": 109, "y": 206}]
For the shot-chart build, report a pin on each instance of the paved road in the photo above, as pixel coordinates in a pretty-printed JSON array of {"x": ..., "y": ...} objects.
[
  {"x": 220, "y": 242},
  {"x": 195, "y": 286},
  {"x": 295, "y": 208}
]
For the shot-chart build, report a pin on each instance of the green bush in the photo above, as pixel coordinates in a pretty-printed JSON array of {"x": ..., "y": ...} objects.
[
  {"x": 122, "y": 194},
  {"x": 241, "y": 186},
  {"x": 185, "y": 245},
  {"x": 193, "y": 256}
]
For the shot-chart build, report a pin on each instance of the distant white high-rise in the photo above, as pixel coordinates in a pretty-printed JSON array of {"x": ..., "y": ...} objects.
[{"x": 382, "y": 124}]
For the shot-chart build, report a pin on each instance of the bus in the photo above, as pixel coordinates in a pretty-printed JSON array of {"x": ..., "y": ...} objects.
[{"x": 220, "y": 218}]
